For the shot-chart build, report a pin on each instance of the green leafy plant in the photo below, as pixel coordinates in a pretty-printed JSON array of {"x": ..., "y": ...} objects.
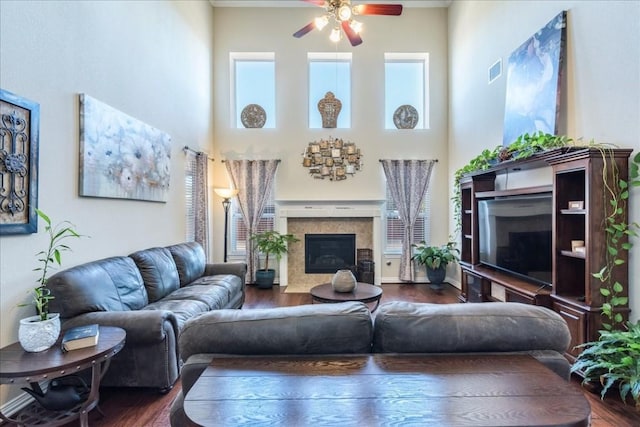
[
  {"x": 617, "y": 234},
  {"x": 47, "y": 258},
  {"x": 525, "y": 146},
  {"x": 272, "y": 243},
  {"x": 613, "y": 361},
  {"x": 435, "y": 257}
]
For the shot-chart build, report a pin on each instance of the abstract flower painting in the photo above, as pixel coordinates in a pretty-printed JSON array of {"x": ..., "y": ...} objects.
[{"x": 121, "y": 157}]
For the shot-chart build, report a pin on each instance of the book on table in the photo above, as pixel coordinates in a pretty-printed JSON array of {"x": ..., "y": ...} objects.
[{"x": 80, "y": 337}]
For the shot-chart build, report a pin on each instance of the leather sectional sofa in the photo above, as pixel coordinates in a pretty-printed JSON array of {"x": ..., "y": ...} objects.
[
  {"x": 151, "y": 294},
  {"x": 347, "y": 328}
]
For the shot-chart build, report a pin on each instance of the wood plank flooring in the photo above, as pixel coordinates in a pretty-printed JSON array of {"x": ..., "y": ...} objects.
[{"x": 141, "y": 407}]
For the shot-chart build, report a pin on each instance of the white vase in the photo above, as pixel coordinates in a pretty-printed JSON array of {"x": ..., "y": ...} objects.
[
  {"x": 343, "y": 281},
  {"x": 39, "y": 335}
]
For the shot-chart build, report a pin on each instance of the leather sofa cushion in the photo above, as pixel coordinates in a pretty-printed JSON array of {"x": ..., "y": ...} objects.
[
  {"x": 158, "y": 270},
  {"x": 214, "y": 297},
  {"x": 183, "y": 310},
  {"x": 448, "y": 328},
  {"x": 228, "y": 284},
  {"x": 305, "y": 329},
  {"x": 110, "y": 284},
  {"x": 190, "y": 261}
]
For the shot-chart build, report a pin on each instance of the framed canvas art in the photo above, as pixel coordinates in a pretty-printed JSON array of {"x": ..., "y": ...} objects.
[
  {"x": 533, "y": 82},
  {"x": 121, "y": 157},
  {"x": 19, "y": 133}
]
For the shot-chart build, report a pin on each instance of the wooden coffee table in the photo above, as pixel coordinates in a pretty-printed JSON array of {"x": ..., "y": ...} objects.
[
  {"x": 363, "y": 292},
  {"x": 384, "y": 389},
  {"x": 22, "y": 368}
]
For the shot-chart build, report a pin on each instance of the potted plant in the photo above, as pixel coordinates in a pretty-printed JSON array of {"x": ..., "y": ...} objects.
[
  {"x": 435, "y": 259},
  {"x": 613, "y": 362},
  {"x": 39, "y": 332},
  {"x": 270, "y": 243}
]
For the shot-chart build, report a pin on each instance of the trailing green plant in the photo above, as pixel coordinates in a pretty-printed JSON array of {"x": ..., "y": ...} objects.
[
  {"x": 272, "y": 243},
  {"x": 613, "y": 361},
  {"x": 618, "y": 233},
  {"x": 48, "y": 257},
  {"x": 435, "y": 257},
  {"x": 525, "y": 146}
]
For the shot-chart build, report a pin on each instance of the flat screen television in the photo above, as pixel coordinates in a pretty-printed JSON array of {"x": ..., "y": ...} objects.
[{"x": 515, "y": 235}]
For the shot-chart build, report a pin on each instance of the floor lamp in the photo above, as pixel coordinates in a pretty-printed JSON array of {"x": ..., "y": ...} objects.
[{"x": 226, "y": 194}]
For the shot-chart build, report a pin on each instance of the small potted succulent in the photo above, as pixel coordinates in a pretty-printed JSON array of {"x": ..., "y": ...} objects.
[
  {"x": 40, "y": 332},
  {"x": 435, "y": 259},
  {"x": 270, "y": 243}
]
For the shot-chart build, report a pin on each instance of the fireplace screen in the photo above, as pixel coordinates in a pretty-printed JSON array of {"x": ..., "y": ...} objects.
[{"x": 328, "y": 253}]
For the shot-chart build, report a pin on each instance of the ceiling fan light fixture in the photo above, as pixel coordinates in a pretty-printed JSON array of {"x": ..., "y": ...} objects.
[
  {"x": 356, "y": 26},
  {"x": 321, "y": 22},
  {"x": 344, "y": 12},
  {"x": 335, "y": 35}
]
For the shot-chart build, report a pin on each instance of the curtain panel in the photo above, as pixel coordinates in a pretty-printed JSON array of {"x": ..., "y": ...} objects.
[
  {"x": 254, "y": 179},
  {"x": 408, "y": 181},
  {"x": 201, "y": 192}
]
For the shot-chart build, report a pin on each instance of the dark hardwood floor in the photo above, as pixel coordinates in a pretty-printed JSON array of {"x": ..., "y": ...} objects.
[{"x": 142, "y": 407}]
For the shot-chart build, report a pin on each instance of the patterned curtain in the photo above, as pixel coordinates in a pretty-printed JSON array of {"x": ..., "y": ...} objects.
[
  {"x": 254, "y": 179},
  {"x": 201, "y": 202},
  {"x": 408, "y": 182}
]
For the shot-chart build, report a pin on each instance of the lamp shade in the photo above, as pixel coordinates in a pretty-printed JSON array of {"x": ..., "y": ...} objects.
[{"x": 226, "y": 193}]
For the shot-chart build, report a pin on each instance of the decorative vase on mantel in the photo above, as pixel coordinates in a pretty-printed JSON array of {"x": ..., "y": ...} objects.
[
  {"x": 37, "y": 335},
  {"x": 344, "y": 281}
]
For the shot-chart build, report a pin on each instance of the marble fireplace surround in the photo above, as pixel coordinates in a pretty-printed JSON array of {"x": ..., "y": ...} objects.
[{"x": 364, "y": 218}]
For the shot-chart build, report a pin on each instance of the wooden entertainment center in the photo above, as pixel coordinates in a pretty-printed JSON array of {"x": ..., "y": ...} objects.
[{"x": 574, "y": 292}]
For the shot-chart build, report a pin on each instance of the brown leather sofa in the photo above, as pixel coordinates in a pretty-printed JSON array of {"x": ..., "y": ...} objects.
[{"x": 151, "y": 294}]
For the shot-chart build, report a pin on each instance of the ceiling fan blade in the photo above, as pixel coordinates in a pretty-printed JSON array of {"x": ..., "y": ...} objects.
[
  {"x": 304, "y": 30},
  {"x": 353, "y": 37},
  {"x": 319, "y": 3},
  {"x": 379, "y": 9}
]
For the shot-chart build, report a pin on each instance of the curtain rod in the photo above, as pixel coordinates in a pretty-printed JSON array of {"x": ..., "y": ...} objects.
[
  {"x": 199, "y": 153},
  {"x": 277, "y": 160},
  {"x": 382, "y": 160}
]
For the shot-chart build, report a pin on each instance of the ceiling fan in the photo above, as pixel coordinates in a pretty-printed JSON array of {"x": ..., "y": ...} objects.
[{"x": 341, "y": 13}]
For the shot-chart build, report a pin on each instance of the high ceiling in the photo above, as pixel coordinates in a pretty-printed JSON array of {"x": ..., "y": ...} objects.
[{"x": 297, "y": 3}]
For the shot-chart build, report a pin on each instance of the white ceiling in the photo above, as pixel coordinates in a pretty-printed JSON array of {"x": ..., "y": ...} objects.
[{"x": 297, "y": 3}]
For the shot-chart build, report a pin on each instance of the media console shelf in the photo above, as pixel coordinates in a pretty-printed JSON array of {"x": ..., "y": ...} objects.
[{"x": 578, "y": 216}]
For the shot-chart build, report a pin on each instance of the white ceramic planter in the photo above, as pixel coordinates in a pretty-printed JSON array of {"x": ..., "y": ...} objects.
[{"x": 36, "y": 335}]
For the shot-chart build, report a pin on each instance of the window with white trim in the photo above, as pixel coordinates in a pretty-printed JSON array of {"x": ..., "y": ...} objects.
[
  {"x": 395, "y": 229},
  {"x": 238, "y": 231},
  {"x": 406, "y": 82},
  {"x": 253, "y": 82},
  {"x": 329, "y": 72}
]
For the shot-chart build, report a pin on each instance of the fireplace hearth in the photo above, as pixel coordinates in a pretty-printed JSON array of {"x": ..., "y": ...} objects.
[{"x": 328, "y": 253}]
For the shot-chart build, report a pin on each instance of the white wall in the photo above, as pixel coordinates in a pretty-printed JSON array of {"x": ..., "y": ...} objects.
[
  {"x": 600, "y": 101},
  {"x": 149, "y": 59},
  {"x": 271, "y": 29}
]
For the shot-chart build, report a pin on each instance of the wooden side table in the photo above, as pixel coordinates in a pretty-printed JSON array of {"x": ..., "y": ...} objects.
[
  {"x": 364, "y": 292},
  {"x": 21, "y": 368}
]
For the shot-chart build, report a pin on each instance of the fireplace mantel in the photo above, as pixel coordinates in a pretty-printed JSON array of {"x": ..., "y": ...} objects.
[{"x": 286, "y": 209}]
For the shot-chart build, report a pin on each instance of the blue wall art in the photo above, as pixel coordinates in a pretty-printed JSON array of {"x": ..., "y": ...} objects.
[{"x": 533, "y": 82}]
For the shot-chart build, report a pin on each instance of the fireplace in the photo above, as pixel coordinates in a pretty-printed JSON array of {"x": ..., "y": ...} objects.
[{"x": 328, "y": 253}]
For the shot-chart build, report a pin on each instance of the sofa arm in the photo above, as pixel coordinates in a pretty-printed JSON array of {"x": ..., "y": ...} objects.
[
  {"x": 236, "y": 268},
  {"x": 142, "y": 326}
]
